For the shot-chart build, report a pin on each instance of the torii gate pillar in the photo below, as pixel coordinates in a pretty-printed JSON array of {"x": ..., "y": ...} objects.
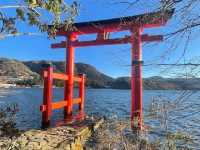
[
  {"x": 136, "y": 78},
  {"x": 69, "y": 85}
]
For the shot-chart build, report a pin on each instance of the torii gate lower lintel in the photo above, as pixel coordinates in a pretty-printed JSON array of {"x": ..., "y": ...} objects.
[{"x": 135, "y": 25}]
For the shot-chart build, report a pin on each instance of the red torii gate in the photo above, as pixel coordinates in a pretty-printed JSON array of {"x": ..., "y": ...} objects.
[{"x": 134, "y": 24}]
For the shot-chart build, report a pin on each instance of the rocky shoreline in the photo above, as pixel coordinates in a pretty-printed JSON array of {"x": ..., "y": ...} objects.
[{"x": 69, "y": 137}]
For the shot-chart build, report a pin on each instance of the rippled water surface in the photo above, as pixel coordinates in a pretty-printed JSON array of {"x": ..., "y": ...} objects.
[{"x": 109, "y": 102}]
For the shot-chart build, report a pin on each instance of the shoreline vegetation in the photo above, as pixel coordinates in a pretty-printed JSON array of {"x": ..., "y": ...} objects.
[{"x": 15, "y": 86}]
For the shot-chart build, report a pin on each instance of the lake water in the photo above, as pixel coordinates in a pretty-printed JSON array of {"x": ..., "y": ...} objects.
[{"x": 180, "y": 110}]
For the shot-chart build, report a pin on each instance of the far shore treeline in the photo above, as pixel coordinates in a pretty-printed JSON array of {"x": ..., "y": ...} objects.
[{"x": 28, "y": 73}]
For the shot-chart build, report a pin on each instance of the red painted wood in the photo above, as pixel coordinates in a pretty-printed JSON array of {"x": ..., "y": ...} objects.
[
  {"x": 125, "y": 40},
  {"x": 136, "y": 113},
  {"x": 60, "y": 76},
  {"x": 59, "y": 45},
  {"x": 47, "y": 99},
  {"x": 69, "y": 86},
  {"x": 111, "y": 28},
  {"x": 58, "y": 105},
  {"x": 77, "y": 100},
  {"x": 151, "y": 38},
  {"x": 101, "y": 42},
  {"x": 95, "y": 29},
  {"x": 82, "y": 93},
  {"x": 47, "y": 106}
]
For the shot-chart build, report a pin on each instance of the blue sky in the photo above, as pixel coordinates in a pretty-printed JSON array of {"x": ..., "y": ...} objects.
[{"x": 112, "y": 60}]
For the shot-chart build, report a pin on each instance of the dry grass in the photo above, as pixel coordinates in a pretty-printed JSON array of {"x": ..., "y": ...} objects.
[
  {"x": 117, "y": 135},
  {"x": 7, "y": 121}
]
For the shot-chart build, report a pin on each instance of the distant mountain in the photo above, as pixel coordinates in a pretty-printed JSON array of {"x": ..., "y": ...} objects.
[
  {"x": 11, "y": 69},
  {"x": 122, "y": 83},
  {"x": 37, "y": 66},
  {"x": 159, "y": 83},
  {"x": 95, "y": 78},
  {"x": 28, "y": 73},
  {"x": 18, "y": 72},
  {"x": 14, "y": 68}
]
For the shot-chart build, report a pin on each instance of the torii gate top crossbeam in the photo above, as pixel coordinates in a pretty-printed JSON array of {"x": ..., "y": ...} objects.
[{"x": 147, "y": 20}]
